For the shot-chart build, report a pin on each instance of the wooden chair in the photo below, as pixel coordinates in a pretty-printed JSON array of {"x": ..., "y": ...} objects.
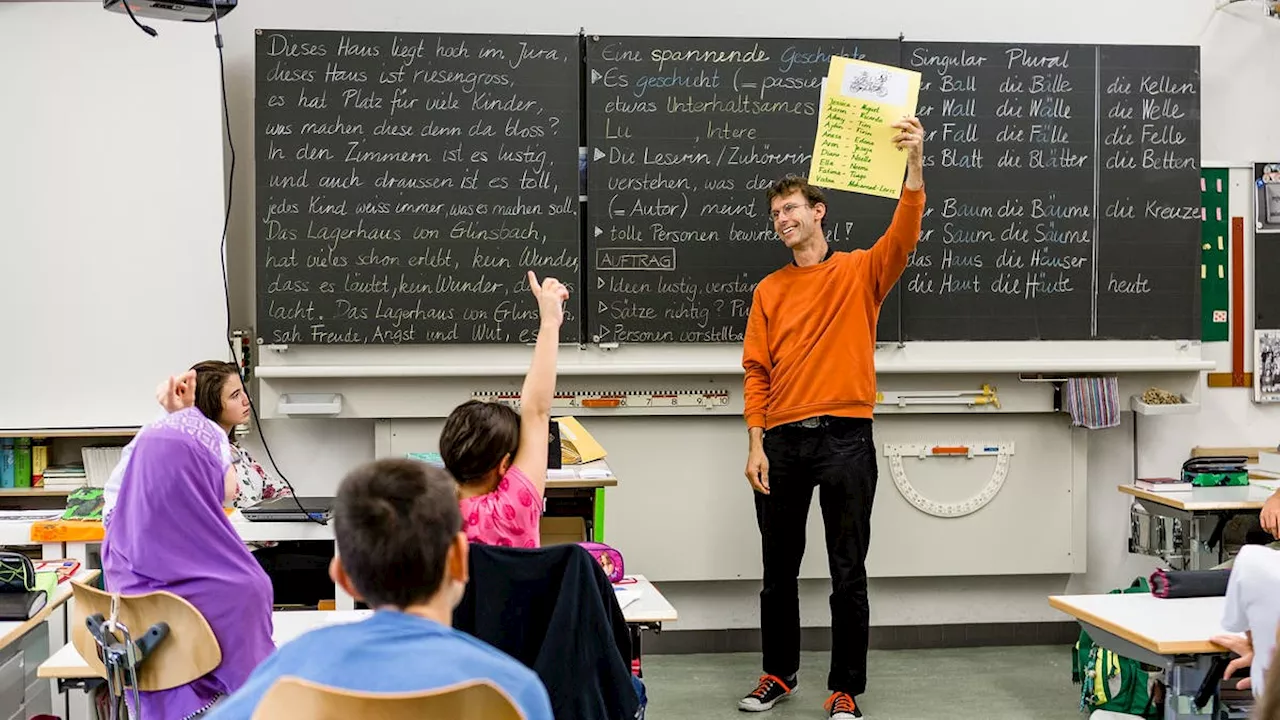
[
  {"x": 292, "y": 697},
  {"x": 188, "y": 651}
]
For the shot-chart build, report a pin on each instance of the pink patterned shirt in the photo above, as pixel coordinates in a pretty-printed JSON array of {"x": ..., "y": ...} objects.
[{"x": 508, "y": 516}]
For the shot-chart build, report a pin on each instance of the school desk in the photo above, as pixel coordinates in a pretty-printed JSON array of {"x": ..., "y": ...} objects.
[
  {"x": 1199, "y": 513},
  {"x": 23, "y": 646},
  {"x": 71, "y": 671},
  {"x": 575, "y": 496},
  {"x": 71, "y": 674},
  {"x": 648, "y": 611},
  {"x": 1172, "y": 634}
]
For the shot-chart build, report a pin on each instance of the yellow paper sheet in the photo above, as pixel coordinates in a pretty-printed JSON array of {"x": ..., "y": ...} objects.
[{"x": 854, "y": 148}]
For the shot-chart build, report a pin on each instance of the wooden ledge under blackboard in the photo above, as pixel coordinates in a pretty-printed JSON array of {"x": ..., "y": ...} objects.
[{"x": 1072, "y": 357}]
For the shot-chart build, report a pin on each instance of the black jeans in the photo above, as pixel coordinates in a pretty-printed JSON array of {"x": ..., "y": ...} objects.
[{"x": 837, "y": 457}]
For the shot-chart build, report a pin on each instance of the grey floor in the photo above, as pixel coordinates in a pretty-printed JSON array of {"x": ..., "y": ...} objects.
[{"x": 998, "y": 683}]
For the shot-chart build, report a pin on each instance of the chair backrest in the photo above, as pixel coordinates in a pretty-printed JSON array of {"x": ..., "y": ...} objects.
[
  {"x": 190, "y": 650},
  {"x": 292, "y": 697}
]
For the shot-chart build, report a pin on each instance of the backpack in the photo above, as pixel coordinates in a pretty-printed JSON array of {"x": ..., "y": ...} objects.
[{"x": 1109, "y": 681}]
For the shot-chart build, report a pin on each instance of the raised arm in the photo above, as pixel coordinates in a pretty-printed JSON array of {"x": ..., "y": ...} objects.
[
  {"x": 757, "y": 366},
  {"x": 173, "y": 393},
  {"x": 890, "y": 254},
  {"x": 540, "y": 383}
]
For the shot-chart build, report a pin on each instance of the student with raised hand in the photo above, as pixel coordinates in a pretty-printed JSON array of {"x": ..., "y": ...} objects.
[
  {"x": 498, "y": 457},
  {"x": 214, "y": 388},
  {"x": 169, "y": 533},
  {"x": 401, "y": 551}
]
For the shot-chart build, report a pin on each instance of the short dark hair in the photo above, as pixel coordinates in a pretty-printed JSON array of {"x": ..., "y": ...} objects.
[
  {"x": 790, "y": 183},
  {"x": 475, "y": 438},
  {"x": 211, "y": 376},
  {"x": 394, "y": 521}
]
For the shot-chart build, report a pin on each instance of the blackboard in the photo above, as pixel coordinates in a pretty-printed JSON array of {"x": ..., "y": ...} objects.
[
  {"x": 407, "y": 181},
  {"x": 1064, "y": 198},
  {"x": 684, "y": 136}
]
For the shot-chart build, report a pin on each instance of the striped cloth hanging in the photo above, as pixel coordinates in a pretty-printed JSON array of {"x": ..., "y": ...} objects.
[{"x": 1094, "y": 402}]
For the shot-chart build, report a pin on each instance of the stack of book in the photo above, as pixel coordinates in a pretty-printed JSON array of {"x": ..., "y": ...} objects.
[
  {"x": 1268, "y": 465},
  {"x": 65, "y": 477}
]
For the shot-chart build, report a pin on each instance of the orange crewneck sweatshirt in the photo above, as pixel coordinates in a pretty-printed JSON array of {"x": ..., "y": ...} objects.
[{"x": 810, "y": 343}]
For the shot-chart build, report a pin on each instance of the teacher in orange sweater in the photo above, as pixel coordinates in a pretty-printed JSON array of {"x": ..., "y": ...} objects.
[{"x": 810, "y": 389}]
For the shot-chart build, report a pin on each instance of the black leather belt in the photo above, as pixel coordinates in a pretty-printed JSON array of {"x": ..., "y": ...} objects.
[{"x": 817, "y": 421}]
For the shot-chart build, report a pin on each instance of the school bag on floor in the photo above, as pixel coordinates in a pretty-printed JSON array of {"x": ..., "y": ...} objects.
[{"x": 1109, "y": 681}]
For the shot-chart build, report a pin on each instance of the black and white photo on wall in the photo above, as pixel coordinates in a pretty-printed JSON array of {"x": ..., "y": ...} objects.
[
  {"x": 1266, "y": 181},
  {"x": 1266, "y": 358}
]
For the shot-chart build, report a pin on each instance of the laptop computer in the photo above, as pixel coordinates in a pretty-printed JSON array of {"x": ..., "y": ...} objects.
[{"x": 285, "y": 509}]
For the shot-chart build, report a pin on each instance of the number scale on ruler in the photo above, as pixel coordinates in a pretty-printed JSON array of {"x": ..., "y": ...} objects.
[{"x": 626, "y": 399}]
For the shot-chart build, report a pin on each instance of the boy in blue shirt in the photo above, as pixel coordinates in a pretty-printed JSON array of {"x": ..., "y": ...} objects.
[{"x": 398, "y": 531}]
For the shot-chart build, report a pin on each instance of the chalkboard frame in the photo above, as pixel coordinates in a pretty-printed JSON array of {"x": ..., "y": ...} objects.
[{"x": 585, "y": 210}]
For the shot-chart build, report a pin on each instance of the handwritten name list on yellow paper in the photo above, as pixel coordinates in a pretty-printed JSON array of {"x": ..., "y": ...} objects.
[{"x": 854, "y": 148}]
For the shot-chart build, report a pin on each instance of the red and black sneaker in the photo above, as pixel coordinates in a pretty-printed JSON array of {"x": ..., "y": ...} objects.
[
  {"x": 769, "y": 692},
  {"x": 841, "y": 706}
]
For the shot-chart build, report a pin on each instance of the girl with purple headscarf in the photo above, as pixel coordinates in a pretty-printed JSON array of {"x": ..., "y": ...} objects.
[{"x": 169, "y": 532}]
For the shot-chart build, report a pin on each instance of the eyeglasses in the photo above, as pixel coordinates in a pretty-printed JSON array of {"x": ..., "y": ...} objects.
[{"x": 787, "y": 210}]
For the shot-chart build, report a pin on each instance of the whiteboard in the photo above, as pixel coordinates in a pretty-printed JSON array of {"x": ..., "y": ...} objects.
[{"x": 111, "y": 202}]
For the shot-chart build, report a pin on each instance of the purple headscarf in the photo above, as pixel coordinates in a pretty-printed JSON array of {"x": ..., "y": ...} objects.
[{"x": 169, "y": 532}]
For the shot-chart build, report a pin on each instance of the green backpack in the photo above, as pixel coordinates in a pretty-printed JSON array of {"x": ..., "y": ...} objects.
[{"x": 1109, "y": 681}]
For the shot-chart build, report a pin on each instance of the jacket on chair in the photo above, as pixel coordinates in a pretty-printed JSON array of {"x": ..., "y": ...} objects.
[{"x": 554, "y": 610}]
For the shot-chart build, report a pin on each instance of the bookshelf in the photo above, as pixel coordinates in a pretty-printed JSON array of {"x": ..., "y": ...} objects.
[
  {"x": 33, "y": 493},
  {"x": 65, "y": 433},
  {"x": 63, "y": 446}
]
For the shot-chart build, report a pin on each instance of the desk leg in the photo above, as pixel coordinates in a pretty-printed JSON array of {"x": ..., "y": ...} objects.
[
  {"x": 597, "y": 507},
  {"x": 637, "y": 633},
  {"x": 78, "y": 551},
  {"x": 1184, "y": 680},
  {"x": 57, "y": 626},
  {"x": 1183, "y": 673},
  {"x": 78, "y": 705},
  {"x": 1195, "y": 544}
]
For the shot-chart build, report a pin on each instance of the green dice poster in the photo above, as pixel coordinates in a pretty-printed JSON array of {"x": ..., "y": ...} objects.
[{"x": 1215, "y": 264}]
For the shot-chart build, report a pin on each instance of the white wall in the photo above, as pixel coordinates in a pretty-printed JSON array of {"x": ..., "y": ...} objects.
[
  {"x": 1238, "y": 56},
  {"x": 111, "y": 207}
]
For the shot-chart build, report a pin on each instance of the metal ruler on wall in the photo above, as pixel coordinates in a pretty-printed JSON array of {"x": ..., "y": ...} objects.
[{"x": 617, "y": 399}]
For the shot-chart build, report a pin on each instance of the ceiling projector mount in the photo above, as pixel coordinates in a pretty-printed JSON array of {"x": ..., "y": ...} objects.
[{"x": 180, "y": 10}]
